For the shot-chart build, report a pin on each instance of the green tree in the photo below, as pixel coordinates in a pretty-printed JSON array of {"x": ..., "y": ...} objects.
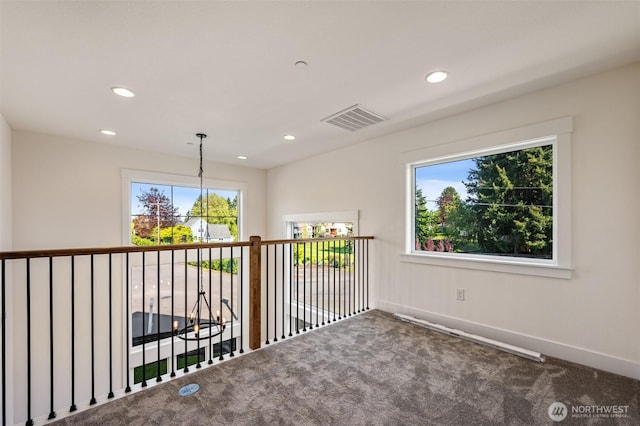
[
  {"x": 233, "y": 204},
  {"x": 426, "y": 220},
  {"x": 216, "y": 210},
  {"x": 422, "y": 218},
  {"x": 178, "y": 234},
  {"x": 512, "y": 196},
  {"x": 156, "y": 208},
  {"x": 137, "y": 241},
  {"x": 461, "y": 228},
  {"x": 448, "y": 202}
]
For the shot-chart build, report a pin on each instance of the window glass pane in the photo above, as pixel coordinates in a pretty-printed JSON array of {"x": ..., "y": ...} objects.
[
  {"x": 184, "y": 199},
  {"x": 316, "y": 263},
  {"x": 139, "y": 189},
  {"x": 322, "y": 229},
  {"x": 178, "y": 215},
  {"x": 499, "y": 204}
]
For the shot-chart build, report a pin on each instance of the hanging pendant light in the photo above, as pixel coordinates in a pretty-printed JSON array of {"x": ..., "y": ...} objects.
[{"x": 196, "y": 326}]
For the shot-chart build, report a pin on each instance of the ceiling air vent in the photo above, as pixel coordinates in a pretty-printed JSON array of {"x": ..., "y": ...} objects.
[{"x": 354, "y": 118}]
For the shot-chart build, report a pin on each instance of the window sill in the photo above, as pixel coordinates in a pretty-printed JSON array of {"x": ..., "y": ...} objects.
[{"x": 492, "y": 265}]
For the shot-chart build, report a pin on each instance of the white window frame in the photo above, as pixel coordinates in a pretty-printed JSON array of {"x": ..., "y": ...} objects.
[
  {"x": 129, "y": 176},
  {"x": 556, "y": 132},
  {"x": 346, "y": 216}
]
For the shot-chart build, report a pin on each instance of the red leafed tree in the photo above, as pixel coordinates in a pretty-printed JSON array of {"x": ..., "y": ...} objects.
[{"x": 156, "y": 207}]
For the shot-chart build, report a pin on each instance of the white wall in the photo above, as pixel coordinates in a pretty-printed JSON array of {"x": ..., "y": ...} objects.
[
  {"x": 5, "y": 185},
  {"x": 592, "y": 318},
  {"x": 6, "y": 241},
  {"x": 67, "y": 193}
]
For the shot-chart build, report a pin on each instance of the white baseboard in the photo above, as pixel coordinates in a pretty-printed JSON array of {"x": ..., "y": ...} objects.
[{"x": 571, "y": 353}]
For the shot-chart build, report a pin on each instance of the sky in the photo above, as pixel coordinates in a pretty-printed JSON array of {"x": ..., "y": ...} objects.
[
  {"x": 434, "y": 178},
  {"x": 183, "y": 197}
]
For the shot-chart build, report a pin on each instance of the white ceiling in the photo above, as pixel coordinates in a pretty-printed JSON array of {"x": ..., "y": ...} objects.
[{"x": 227, "y": 68}]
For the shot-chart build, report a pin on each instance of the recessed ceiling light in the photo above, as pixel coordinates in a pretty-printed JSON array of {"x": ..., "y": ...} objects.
[
  {"x": 436, "y": 76},
  {"x": 289, "y": 137},
  {"x": 108, "y": 132},
  {"x": 241, "y": 157},
  {"x": 121, "y": 91},
  {"x": 301, "y": 64}
]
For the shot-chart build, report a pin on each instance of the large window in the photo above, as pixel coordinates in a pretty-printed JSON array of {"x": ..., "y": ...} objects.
[
  {"x": 497, "y": 202},
  {"x": 173, "y": 214}
]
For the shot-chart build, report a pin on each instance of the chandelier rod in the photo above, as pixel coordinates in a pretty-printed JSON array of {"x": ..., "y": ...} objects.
[{"x": 193, "y": 323}]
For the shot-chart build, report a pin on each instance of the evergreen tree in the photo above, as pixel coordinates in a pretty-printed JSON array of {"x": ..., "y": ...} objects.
[
  {"x": 511, "y": 195},
  {"x": 425, "y": 220},
  {"x": 448, "y": 202}
]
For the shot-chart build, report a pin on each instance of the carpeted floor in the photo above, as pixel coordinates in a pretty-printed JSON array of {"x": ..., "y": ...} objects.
[{"x": 374, "y": 370}]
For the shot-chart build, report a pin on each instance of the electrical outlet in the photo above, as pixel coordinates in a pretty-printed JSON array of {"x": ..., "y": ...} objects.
[{"x": 460, "y": 294}]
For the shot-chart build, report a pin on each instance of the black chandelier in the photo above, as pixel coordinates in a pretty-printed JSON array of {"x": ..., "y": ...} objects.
[{"x": 195, "y": 326}]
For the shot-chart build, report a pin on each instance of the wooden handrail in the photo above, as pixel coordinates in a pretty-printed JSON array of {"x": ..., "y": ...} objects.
[
  {"x": 31, "y": 254},
  {"x": 24, "y": 254}
]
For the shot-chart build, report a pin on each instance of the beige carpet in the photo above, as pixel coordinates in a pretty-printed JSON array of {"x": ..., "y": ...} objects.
[{"x": 371, "y": 369}]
